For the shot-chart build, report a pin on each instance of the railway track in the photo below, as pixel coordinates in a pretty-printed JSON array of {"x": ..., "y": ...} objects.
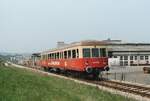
[
  {"x": 121, "y": 86},
  {"x": 125, "y": 87}
]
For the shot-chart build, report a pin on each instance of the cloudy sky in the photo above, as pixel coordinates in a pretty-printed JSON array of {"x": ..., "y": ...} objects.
[{"x": 35, "y": 25}]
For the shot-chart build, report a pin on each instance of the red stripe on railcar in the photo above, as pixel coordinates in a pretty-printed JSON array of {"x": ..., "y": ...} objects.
[{"x": 76, "y": 64}]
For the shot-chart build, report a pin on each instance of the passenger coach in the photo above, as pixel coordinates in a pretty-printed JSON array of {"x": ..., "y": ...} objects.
[{"x": 88, "y": 57}]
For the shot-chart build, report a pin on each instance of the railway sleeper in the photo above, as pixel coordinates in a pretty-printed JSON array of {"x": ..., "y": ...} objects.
[
  {"x": 137, "y": 92},
  {"x": 131, "y": 85}
]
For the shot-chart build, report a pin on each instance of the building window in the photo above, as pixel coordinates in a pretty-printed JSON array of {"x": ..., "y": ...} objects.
[
  {"x": 131, "y": 63},
  {"x": 86, "y": 53},
  {"x": 125, "y": 57},
  {"x": 115, "y": 56},
  {"x": 125, "y": 63},
  {"x": 121, "y": 63},
  {"x": 121, "y": 57},
  {"x": 141, "y": 57},
  {"x": 135, "y": 57},
  {"x": 131, "y": 57},
  {"x": 146, "y": 58},
  {"x": 147, "y": 62},
  {"x": 95, "y": 52}
]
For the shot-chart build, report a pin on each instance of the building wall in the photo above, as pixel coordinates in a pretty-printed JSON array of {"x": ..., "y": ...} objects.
[
  {"x": 130, "y": 55},
  {"x": 133, "y": 60}
]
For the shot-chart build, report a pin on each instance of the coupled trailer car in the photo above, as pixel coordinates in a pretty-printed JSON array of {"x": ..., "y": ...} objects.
[{"x": 85, "y": 57}]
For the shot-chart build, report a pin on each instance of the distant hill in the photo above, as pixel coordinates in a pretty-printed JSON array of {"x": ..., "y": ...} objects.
[
  {"x": 14, "y": 54},
  {"x": 5, "y": 53}
]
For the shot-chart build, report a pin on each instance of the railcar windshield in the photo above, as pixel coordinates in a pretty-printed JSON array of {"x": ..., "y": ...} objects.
[
  {"x": 86, "y": 52},
  {"x": 95, "y": 52},
  {"x": 103, "y": 52}
]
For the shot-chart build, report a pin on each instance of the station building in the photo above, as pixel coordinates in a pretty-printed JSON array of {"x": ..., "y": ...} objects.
[{"x": 129, "y": 54}]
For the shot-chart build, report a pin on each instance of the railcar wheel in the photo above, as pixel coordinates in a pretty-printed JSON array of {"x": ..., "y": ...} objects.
[
  {"x": 66, "y": 73},
  {"x": 45, "y": 69},
  {"x": 58, "y": 70},
  {"x": 50, "y": 69},
  {"x": 96, "y": 76},
  {"x": 89, "y": 70}
]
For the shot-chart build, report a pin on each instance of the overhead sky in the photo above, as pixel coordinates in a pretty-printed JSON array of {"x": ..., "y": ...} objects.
[{"x": 36, "y": 25}]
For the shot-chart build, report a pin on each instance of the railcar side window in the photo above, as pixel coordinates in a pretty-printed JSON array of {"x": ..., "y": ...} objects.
[
  {"x": 45, "y": 57},
  {"x": 86, "y": 52},
  {"x": 73, "y": 53},
  {"x": 62, "y": 56},
  {"x": 65, "y": 54},
  {"x": 57, "y": 57},
  {"x": 77, "y": 53},
  {"x": 42, "y": 57},
  {"x": 48, "y": 56},
  {"x": 95, "y": 52},
  {"x": 103, "y": 52},
  {"x": 69, "y": 54},
  {"x": 52, "y": 55}
]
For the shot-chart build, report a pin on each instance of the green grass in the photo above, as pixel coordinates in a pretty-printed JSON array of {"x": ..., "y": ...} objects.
[{"x": 23, "y": 85}]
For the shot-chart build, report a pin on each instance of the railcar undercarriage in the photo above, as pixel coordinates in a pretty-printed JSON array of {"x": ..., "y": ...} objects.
[{"x": 90, "y": 73}]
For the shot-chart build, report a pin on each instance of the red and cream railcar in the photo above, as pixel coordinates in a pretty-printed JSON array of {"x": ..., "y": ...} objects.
[{"x": 87, "y": 56}]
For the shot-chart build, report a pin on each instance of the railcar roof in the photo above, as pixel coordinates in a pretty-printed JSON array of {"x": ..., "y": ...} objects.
[{"x": 81, "y": 43}]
